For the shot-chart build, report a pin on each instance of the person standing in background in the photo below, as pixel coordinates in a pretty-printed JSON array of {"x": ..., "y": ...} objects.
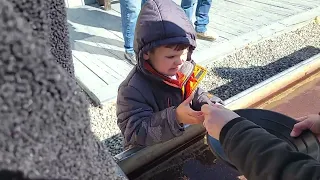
[
  {"x": 129, "y": 13},
  {"x": 202, "y": 17}
]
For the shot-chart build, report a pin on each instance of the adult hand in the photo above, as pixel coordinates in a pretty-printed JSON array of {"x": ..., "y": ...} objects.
[
  {"x": 311, "y": 122},
  {"x": 186, "y": 115},
  {"x": 216, "y": 116},
  {"x": 214, "y": 100}
]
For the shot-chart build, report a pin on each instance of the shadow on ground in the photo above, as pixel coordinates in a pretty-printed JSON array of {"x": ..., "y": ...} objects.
[
  {"x": 92, "y": 43},
  {"x": 247, "y": 76},
  {"x": 94, "y": 17}
]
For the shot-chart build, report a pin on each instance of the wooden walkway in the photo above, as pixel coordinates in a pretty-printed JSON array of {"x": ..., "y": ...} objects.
[{"x": 97, "y": 43}]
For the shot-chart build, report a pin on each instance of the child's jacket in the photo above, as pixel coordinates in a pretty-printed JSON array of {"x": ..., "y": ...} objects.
[{"x": 147, "y": 100}]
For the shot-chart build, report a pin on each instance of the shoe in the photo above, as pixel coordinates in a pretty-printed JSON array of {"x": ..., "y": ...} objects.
[
  {"x": 130, "y": 57},
  {"x": 208, "y": 35}
]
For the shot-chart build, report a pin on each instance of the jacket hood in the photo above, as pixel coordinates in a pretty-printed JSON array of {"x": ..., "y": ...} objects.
[{"x": 162, "y": 22}]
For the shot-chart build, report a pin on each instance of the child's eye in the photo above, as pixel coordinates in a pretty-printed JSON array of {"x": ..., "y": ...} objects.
[{"x": 170, "y": 57}]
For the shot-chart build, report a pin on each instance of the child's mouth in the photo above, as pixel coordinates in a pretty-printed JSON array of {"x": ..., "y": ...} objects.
[{"x": 175, "y": 69}]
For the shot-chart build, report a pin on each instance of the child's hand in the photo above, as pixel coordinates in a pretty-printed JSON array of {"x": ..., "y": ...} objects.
[
  {"x": 186, "y": 115},
  {"x": 311, "y": 122}
]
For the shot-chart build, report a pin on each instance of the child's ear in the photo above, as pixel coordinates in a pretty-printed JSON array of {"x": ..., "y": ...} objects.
[{"x": 146, "y": 56}]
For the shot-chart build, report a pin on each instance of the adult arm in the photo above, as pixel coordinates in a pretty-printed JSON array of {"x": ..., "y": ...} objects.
[{"x": 260, "y": 155}]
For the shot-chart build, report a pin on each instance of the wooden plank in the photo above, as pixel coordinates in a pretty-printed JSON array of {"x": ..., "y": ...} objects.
[
  {"x": 213, "y": 52},
  {"x": 96, "y": 18},
  {"x": 245, "y": 19},
  {"x": 270, "y": 30},
  {"x": 116, "y": 7},
  {"x": 89, "y": 60},
  {"x": 256, "y": 20},
  {"x": 302, "y": 4},
  {"x": 91, "y": 84},
  {"x": 273, "y": 8},
  {"x": 214, "y": 43},
  {"x": 239, "y": 26},
  {"x": 98, "y": 57},
  {"x": 95, "y": 57},
  {"x": 223, "y": 19},
  {"x": 121, "y": 66},
  {"x": 222, "y": 31},
  {"x": 245, "y": 39},
  {"x": 103, "y": 56},
  {"x": 280, "y": 4},
  {"x": 294, "y": 4},
  {"x": 225, "y": 28},
  {"x": 101, "y": 36},
  {"x": 113, "y": 46},
  {"x": 204, "y": 44},
  {"x": 250, "y": 12},
  {"x": 301, "y": 17},
  {"x": 73, "y": 3},
  {"x": 313, "y": 3},
  {"x": 262, "y": 7}
]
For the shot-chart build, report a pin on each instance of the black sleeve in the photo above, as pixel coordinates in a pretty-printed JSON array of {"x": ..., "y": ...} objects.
[{"x": 259, "y": 155}]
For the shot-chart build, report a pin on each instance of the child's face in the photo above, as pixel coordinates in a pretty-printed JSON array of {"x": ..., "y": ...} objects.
[{"x": 165, "y": 60}]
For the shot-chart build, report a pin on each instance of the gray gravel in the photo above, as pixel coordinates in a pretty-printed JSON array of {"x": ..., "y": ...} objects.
[{"x": 230, "y": 75}]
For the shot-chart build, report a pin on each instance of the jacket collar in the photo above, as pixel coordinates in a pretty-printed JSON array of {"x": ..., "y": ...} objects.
[{"x": 182, "y": 75}]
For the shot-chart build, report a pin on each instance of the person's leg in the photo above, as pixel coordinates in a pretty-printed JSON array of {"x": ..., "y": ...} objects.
[
  {"x": 187, "y": 6},
  {"x": 142, "y": 2},
  {"x": 129, "y": 13},
  {"x": 202, "y": 20}
]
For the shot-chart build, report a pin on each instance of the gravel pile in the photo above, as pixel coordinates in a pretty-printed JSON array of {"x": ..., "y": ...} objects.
[
  {"x": 230, "y": 75},
  {"x": 254, "y": 64}
]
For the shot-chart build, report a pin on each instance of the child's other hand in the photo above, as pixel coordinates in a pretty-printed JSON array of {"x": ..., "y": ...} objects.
[
  {"x": 186, "y": 115},
  {"x": 311, "y": 122}
]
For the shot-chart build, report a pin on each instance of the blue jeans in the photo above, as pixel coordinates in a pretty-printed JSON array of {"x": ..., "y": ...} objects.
[
  {"x": 130, "y": 10},
  {"x": 202, "y": 13},
  {"x": 217, "y": 147}
]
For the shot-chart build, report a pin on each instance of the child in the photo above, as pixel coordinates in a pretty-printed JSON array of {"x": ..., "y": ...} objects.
[{"x": 154, "y": 100}]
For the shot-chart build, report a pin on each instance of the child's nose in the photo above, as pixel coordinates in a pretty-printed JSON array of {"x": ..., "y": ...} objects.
[{"x": 179, "y": 61}]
